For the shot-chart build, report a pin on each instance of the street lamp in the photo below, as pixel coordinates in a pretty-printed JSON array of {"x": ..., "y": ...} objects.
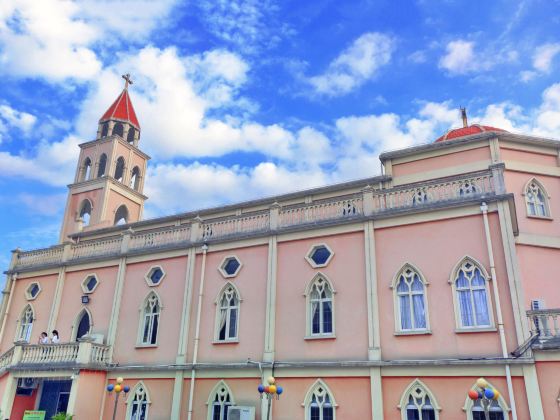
[
  {"x": 485, "y": 393},
  {"x": 268, "y": 392},
  {"x": 118, "y": 388}
]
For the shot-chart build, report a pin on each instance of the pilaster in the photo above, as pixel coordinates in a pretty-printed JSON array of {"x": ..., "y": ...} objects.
[
  {"x": 269, "y": 346},
  {"x": 8, "y": 397},
  {"x": 533, "y": 391},
  {"x": 115, "y": 311},
  {"x": 374, "y": 345},
  {"x": 367, "y": 193},
  {"x": 376, "y": 393}
]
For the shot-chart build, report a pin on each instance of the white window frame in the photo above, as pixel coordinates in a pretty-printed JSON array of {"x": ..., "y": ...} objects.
[
  {"x": 132, "y": 395},
  {"x": 314, "y": 389},
  {"x": 456, "y": 305},
  {"x": 467, "y": 407},
  {"x": 221, "y": 389},
  {"x": 310, "y": 253},
  {"x": 545, "y": 204},
  {"x": 417, "y": 384},
  {"x": 143, "y": 320},
  {"x": 411, "y": 268},
  {"x": 28, "y": 291},
  {"x": 228, "y": 309},
  {"x": 76, "y": 323},
  {"x": 148, "y": 276},
  {"x": 222, "y": 270},
  {"x": 19, "y": 327},
  {"x": 309, "y": 308},
  {"x": 85, "y": 281}
]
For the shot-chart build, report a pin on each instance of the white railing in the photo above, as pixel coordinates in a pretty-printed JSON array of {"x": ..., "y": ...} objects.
[
  {"x": 6, "y": 359},
  {"x": 96, "y": 248},
  {"x": 160, "y": 238},
  {"x": 341, "y": 208},
  {"x": 252, "y": 223},
  {"x": 434, "y": 192},
  {"x": 49, "y": 353},
  {"x": 45, "y": 256},
  {"x": 545, "y": 323},
  {"x": 99, "y": 354}
]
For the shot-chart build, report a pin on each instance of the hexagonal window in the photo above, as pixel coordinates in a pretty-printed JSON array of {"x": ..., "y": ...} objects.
[
  {"x": 32, "y": 291},
  {"x": 319, "y": 255},
  {"x": 230, "y": 266},
  {"x": 155, "y": 276},
  {"x": 90, "y": 283}
]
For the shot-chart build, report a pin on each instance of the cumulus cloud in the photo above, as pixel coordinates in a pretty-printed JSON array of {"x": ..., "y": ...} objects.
[
  {"x": 542, "y": 61},
  {"x": 354, "y": 66},
  {"x": 459, "y": 57},
  {"x": 11, "y": 118}
]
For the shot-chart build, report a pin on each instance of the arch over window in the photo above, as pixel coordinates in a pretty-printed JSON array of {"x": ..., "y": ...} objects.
[
  {"x": 149, "y": 320},
  {"x": 102, "y": 165},
  {"x": 118, "y": 129},
  {"x": 121, "y": 216},
  {"x": 130, "y": 135},
  {"x": 119, "y": 169},
  {"x": 471, "y": 295},
  {"x": 499, "y": 410},
  {"x": 86, "y": 170},
  {"x": 409, "y": 291},
  {"x": 105, "y": 129},
  {"x": 82, "y": 324},
  {"x": 85, "y": 212},
  {"x": 219, "y": 401},
  {"x": 319, "y": 402},
  {"x": 135, "y": 178},
  {"x": 320, "y": 307},
  {"x": 138, "y": 402},
  {"x": 536, "y": 199},
  {"x": 25, "y": 324},
  {"x": 418, "y": 402},
  {"x": 227, "y": 314}
]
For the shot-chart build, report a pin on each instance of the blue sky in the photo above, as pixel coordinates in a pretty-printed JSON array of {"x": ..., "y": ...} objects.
[{"x": 240, "y": 99}]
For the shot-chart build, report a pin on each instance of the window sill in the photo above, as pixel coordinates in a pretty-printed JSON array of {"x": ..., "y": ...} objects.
[
  {"x": 475, "y": 330},
  {"x": 320, "y": 337},
  {"x": 225, "y": 342},
  {"x": 413, "y": 332},
  {"x": 540, "y": 217},
  {"x": 146, "y": 346}
]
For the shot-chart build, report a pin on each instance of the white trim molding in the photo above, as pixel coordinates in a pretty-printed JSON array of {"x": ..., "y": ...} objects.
[
  {"x": 319, "y": 390},
  {"x": 417, "y": 389},
  {"x": 320, "y": 282}
]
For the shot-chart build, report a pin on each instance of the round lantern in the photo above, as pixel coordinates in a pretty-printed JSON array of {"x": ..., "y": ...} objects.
[
  {"x": 473, "y": 394},
  {"x": 279, "y": 390},
  {"x": 126, "y": 389},
  {"x": 110, "y": 387},
  {"x": 267, "y": 389},
  {"x": 496, "y": 394},
  {"x": 481, "y": 383},
  {"x": 261, "y": 388},
  {"x": 271, "y": 380},
  {"x": 489, "y": 393},
  {"x": 120, "y": 380},
  {"x": 272, "y": 389}
]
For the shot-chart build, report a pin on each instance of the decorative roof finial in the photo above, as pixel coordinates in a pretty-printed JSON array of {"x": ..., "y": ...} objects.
[
  {"x": 127, "y": 80},
  {"x": 463, "y": 116}
]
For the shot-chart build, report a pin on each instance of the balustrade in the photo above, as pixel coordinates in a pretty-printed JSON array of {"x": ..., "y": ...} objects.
[
  {"x": 96, "y": 248},
  {"x": 251, "y": 223},
  {"x": 159, "y": 238},
  {"x": 49, "y": 353},
  {"x": 341, "y": 208},
  {"x": 6, "y": 359},
  {"x": 45, "y": 256},
  {"x": 545, "y": 323}
]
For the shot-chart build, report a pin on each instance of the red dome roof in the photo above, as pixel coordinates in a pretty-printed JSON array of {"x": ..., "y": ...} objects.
[
  {"x": 467, "y": 131},
  {"x": 121, "y": 109}
]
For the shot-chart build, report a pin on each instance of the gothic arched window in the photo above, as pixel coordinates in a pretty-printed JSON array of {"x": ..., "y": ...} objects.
[
  {"x": 130, "y": 135},
  {"x": 86, "y": 170},
  {"x": 85, "y": 212},
  {"x": 219, "y": 402},
  {"x": 536, "y": 199},
  {"x": 410, "y": 300},
  {"x": 227, "y": 314},
  {"x": 320, "y": 307},
  {"x": 418, "y": 403},
  {"x": 498, "y": 409},
  {"x": 25, "y": 324},
  {"x": 471, "y": 295},
  {"x": 82, "y": 325},
  {"x": 149, "y": 322},
  {"x": 121, "y": 215},
  {"x": 319, "y": 403},
  {"x": 119, "y": 169},
  {"x": 138, "y": 403},
  {"x": 118, "y": 129},
  {"x": 102, "y": 165},
  {"x": 135, "y": 178}
]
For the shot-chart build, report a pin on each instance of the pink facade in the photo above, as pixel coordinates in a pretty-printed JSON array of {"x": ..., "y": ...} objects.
[{"x": 382, "y": 298}]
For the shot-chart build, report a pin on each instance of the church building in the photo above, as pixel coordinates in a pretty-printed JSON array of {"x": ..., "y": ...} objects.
[{"x": 428, "y": 292}]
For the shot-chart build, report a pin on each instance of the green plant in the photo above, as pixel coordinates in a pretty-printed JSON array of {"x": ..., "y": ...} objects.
[{"x": 62, "y": 416}]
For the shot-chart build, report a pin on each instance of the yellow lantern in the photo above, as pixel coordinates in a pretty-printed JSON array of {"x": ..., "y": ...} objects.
[
  {"x": 481, "y": 383},
  {"x": 118, "y": 388},
  {"x": 496, "y": 395},
  {"x": 271, "y": 380},
  {"x": 272, "y": 389},
  {"x": 120, "y": 380}
]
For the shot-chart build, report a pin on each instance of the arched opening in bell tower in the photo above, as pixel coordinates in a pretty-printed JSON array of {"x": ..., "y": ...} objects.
[{"x": 121, "y": 216}]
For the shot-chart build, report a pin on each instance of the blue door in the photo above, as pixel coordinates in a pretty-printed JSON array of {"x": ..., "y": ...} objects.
[{"x": 54, "y": 398}]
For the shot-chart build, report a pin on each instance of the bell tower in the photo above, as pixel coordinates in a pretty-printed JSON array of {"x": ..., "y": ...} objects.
[{"x": 107, "y": 189}]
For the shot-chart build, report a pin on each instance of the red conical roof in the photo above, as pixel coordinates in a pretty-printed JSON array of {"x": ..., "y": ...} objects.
[
  {"x": 121, "y": 109},
  {"x": 467, "y": 131}
]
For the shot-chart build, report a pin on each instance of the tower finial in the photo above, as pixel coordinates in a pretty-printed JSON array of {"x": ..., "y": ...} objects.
[
  {"x": 127, "y": 80},
  {"x": 464, "y": 116}
]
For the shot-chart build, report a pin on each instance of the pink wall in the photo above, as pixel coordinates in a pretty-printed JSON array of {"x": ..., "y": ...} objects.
[
  {"x": 548, "y": 374},
  {"x": 89, "y": 400},
  {"x": 100, "y": 304},
  {"x": 435, "y": 248},
  {"x": 440, "y": 162},
  {"x": 21, "y": 404},
  {"x": 346, "y": 271},
  {"x": 540, "y": 281},
  {"x": 41, "y": 306},
  {"x": 115, "y": 200},
  {"x": 135, "y": 290},
  {"x": 251, "y": 284},
  {"x": 527, "y": 157},
  {"x": 244, "y": 392}
]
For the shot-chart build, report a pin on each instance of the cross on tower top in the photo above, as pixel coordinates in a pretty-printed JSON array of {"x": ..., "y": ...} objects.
[{"x": 127, "y": 80}]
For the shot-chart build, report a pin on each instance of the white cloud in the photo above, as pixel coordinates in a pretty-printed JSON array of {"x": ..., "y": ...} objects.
[
  {"x": 355, "y": 65},
  {"x": 11, "y": 118},
  {"x": 542, "y": 60},
  {"x": 459, "y": 57}
]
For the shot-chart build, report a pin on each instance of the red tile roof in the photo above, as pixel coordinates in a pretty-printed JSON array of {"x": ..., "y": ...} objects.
[
  {"x": 467, "y": 131},
  {"x": 121, "y": 109}
]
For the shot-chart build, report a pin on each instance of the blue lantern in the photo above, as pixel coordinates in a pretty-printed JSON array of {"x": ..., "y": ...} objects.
[
  {"x": 110, "y": 387},
  {"x": 261, "y": 388},
  {"x": 279, "y": 390},
  {"x": 489, "y": 393},
  {"x": 126, "y": 389}
]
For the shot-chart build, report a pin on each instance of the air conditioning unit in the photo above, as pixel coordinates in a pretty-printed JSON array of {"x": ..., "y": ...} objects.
[
  {"x": 241, "y": 413},
  {"x": 28, "y": 383}
]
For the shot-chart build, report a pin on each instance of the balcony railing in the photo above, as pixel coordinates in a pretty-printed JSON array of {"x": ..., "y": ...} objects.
[
  {"x": 339, "y": 209},
  {"x": 545, "y": 323},
  {"x": 65, "y": 354}
]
